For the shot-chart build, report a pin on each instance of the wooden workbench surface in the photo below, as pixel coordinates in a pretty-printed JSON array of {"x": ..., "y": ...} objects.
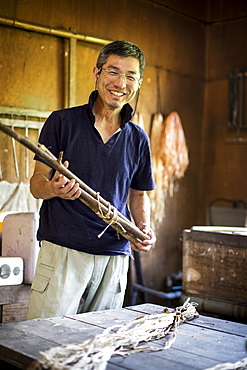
[{"x": 200, "y": 344}]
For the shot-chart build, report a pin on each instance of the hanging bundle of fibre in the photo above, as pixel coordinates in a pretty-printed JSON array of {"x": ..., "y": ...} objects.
[
  {"x": 173, "y": 151},
  {"x": 94, "y": 353},
  {"x": 157, "y": 197},
  {"x": 170, "y": 160},
  {"x": 138, "y": 120}
]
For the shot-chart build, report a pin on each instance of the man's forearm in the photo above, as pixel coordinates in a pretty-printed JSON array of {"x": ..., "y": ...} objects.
[
  {"x": 139, "y": 204},
  {"x": 40, "y": 186}
]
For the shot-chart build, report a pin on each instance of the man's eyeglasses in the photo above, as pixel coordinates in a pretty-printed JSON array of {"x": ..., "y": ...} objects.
[{"x": 114, "y": 75}]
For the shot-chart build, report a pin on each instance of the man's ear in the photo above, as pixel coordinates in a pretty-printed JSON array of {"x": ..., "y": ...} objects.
[{"x": 95, "y": 74}]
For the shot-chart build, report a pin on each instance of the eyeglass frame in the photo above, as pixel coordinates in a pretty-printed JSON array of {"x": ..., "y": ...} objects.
[{"x": 118, "y": 75}]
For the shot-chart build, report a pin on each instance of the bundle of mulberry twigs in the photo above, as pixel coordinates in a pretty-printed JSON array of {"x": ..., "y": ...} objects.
[{"x": 94, "y": 353}]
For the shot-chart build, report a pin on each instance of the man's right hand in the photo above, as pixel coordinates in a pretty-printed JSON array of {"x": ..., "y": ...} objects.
[
  {"x": 44, "y": 186},
  {"x": 64, "y": 188}
]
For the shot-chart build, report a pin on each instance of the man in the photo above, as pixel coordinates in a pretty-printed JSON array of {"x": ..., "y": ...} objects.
[{"x": 111, "y": 155}]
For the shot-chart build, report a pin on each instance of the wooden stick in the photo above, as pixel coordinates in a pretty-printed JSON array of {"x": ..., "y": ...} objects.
[{"x": 89, "y": 197}]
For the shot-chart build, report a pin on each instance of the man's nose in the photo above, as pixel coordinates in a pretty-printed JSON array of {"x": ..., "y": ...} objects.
[{"x": 121, "y": 81}]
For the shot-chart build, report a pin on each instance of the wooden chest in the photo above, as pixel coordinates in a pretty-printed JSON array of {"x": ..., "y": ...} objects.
[{"x": 215, "y": 270}]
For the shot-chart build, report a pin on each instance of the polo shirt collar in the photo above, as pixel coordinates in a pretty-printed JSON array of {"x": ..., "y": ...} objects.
[{"x": 127, "y": 111}]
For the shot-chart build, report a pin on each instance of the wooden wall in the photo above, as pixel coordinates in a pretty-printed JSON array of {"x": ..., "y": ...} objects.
[
  {"x": 190, "y": 48},
  {"x": 224, "y": 167}
]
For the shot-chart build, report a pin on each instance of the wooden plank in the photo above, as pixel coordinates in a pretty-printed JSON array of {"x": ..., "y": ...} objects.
[
  {"x": 14, "y": 312},
  {"x": 61, "y": 330},
  {"x": 108, "y": 318},
  {"x": 23, "y": 341},
  {"x": 169, "y": 359},
  {"x": 14, "y": 293},
  {"x": 217, "y": 345},
  {"x": 146, "y": 308},
  {"x": 72, "y": 71},
  {"x": 232, "y": 240},
  {"x": 14, "y": 300},
  {"x": 225, "y": 326},
  {"x": 22, "y": 347}
]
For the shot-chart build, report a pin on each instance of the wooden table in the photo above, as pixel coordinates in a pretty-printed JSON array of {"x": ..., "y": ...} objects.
[{"x": 200, "y": 344}]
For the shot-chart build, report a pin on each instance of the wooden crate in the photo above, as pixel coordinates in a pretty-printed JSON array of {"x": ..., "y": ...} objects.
[
  {"x": 215, "y": 268},
  {"x": 14, "y": 300}
]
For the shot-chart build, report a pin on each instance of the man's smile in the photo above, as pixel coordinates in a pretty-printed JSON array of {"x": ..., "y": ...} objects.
[{"x": 117, "y": 93}]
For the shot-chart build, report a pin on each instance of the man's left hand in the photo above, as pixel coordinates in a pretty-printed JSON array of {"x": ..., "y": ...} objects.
[{"x": 147, "y": 244}]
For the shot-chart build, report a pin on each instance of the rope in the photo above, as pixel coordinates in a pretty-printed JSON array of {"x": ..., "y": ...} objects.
[{"x": 112, "y": 220}]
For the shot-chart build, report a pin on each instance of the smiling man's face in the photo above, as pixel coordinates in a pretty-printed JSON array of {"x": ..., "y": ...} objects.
[{"x": 115, "y": 90}]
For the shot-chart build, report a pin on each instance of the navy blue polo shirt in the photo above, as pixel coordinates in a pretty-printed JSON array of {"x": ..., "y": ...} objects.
[{"x": 108, "y": 168}]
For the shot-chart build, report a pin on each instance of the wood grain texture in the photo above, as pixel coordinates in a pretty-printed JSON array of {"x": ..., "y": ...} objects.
[
  {"x": 201, "y": 343},
  {"x": 215, "y": 266}
]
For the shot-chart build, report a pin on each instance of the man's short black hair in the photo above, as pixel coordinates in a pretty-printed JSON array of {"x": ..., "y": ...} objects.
[{"x": 122, "y": 49}]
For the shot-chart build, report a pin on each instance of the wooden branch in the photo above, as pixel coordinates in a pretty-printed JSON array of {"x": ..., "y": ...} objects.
[{"x": 89, "y": 197}]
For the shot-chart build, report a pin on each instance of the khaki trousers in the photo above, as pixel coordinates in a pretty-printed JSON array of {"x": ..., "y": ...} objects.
[{"x": 65, "y": 275}]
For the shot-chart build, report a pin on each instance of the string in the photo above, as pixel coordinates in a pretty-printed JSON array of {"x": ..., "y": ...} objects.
[{"x": 107, "y": 216}]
